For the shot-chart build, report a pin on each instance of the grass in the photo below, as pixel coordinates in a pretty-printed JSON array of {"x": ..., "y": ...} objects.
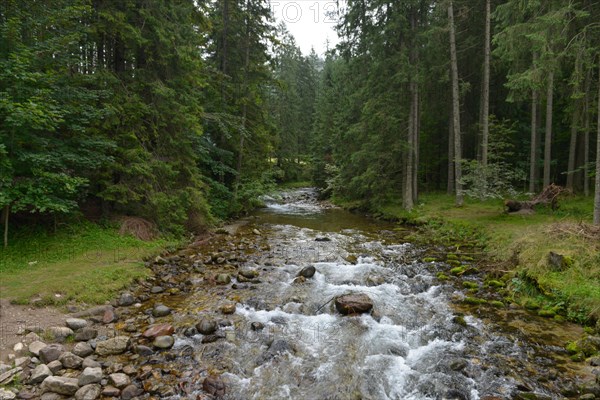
[
  {"x": 81, "y": 263},
  {"x": 528, "y": 237}
]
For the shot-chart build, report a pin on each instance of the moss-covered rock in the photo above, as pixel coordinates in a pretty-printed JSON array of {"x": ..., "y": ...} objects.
[
  {"x": 588, "y": 346},
  {"x": 474, "y": 301},
  {"x": 531, "y": 304},
  {"x": 547, "y": 313},
  {"x": 442, "y": 277},
  {"x": 454, "y": 263},
  {"x": 429, "y": 259},
  {"x": 458, "y": 270},
  {"x": 459, "y": 320},
  {"x": 496, "y": 303},
  {"x": 493, "y": 283},
  {"x": 451, "y": 256},
  {"x": 470, "y": 285}
]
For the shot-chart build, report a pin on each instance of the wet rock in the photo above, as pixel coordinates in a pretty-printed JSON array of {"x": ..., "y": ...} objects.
[
  {"x": 116, "y": 345},
  {"x": 7, "y": 394},
  {"x": 40, "y": 373},
  {"x": 256, "y": 231},
  {"x": 257, "y": 326},
  {"x": 143, "y": 350},
  {"x": 88, "y": 392},
  {"x": 299, "y": 280},
  {"x": 223, "y": 279},
  {"x": 454, "y": 394},
  {"x": 161, "y": 311},
  {"x": 591, "y": 388},
  {"x": 89, "y": 362},
  {"x": 277, "y": 347},
  {"x": 211, "y": 338},
  {"x": 130, "y": 392},
  {"x": 158, "y": 330},
  {"x": 60, "y": 385},
  {"x": 249, "y": 273},
  {"x": 353, "y": 304},
  {"x": 111, "y": 391},
  {"x": 322, "y": 239},
  {"x": 59, "y": 333},
  {"x": 70, "y": 360},
  {"x": 119, "y": 380},
  {"x": 588, "y": 396},
  {"x": 157, "y": 289},
  {"x": 163, "y": 342},
  {"x": 126, "y": 299},
  {"x": 307, "y": 272},
  {"x": 35, "y": 347},
  {"x": 90, "y": 375},
  {"x": 458, "y": 364},
  {"x": 76, "y": 323},
  {"x": 206, "y": 326},
  {"x": 55, "y": 366},
  {"x": 109, "y": 316},
  {"x": 82, "y": 349},
  {"x": 532, "y": 396},
  {"x": 214, "y": 386},
  {"x": 352, "y": 259},
  {"x": 228, "y": 308},
  {"x": 51, "y": 352},
  {"x": 86, "y": 334}
]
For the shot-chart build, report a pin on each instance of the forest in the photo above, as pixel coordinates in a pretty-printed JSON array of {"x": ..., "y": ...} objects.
[{"x": 184, "y": 112}]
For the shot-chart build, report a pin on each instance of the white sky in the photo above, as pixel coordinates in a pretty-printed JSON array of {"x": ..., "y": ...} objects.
[{"x": 308, "y": 22}]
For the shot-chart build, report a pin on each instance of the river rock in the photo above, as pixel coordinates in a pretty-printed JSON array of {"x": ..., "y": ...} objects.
[
  {"x": 59, "y": 333},
  {"x": 126, "y": 299},
  {"x": 7, "y": 394},
  {"x": 257, "y": 326},
  {"x": 39, "y": 373},
  {"x": 8, "y": 376},
  {"x": 228, "y": 308},
  {"x": 89, "y": 362},
  {"x": 116, "y": 345},
  {"x": 119, "y": 380},
  {"x": 158, "y": 330},
  {"x": 588, "y": 396},
  {"x": 60, "y": 385},
  {"x": 143, "y": 350},
  {"x": 214, "y": 386},
  {"x": 82, "y": 349},
  {"x": 130, "y": 392},
  {"x": 206, "y": 326},
  {"x": 307, "y": 272},
  {"x": 109, "y": 316},
  {"x": 4, "y": 367},
  {"x": 35, "y": 347},
  {"x": 55, "y": 366},
  {"x": 76, "y": 323},
  {"x": 88, "y": 392},
  {"x": 86, "y": 334},
  {"x": 223, "y": 279},
  {"x": 163, "y": 342},
  {"x": 249, "y": 273},
  {"x": 22, "y": 361},
  {"x": 111, "y": 391},
  {"x": 51, "y": 352},
  {"x": 161, "y": 311},
  {"x": 90, "y": 375},
  {"x": 70, "y": 360},
  {"x": 18, "y": 347},
  {"x": 353, "y": 304}
]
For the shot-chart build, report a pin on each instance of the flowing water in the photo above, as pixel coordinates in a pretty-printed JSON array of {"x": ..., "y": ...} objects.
[{"x": 286, "y": 340}]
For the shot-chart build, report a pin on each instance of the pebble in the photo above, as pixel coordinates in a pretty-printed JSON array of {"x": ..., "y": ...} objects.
[
  {"x": 51, "y": 352},
  {"x": 90, "y": 375},
  {"x": 86, "y": 334},
  {"x": 206, "y": 326},
  {"x": 163, "y": 342},
  {"x": 82, "y": 349},
  {"x": 119, "y": 380},
  {"x": 76, "y": 323},
  {"x": 35, "y": 347},
  {"x": 161, "y": 311},
  {"x": 88, "y": 392},
  {"x": 40, "y": 373},
  {"x": 126, "y": 299},
  {"x": 55, "y": 366}
]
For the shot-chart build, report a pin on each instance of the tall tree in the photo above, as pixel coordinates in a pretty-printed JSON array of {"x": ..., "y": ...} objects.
[
  {"x": 597, "y": 181},
  {"x": 485, "y": 119},
  {"x": 455, "y": 107}
]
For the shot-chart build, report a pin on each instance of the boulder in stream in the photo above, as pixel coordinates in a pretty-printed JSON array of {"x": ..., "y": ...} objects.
[
  {"x": 307, "y": 272},
  {"x": 356, "y": 303}
]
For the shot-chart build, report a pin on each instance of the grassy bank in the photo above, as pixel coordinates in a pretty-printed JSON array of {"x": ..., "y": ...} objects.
[
  {"x": 517, "y": 248},
  {"x": 82, "y": 263}
]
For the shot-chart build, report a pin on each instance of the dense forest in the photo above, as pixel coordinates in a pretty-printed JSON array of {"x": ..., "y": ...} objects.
[{"x": 183, "y": 112}]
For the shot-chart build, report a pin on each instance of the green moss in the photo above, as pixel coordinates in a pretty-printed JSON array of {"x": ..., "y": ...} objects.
[
  {"x": 495, "y": 283},
  {"x": 458, "y": 270},
  {"x": 452, "y": 256},
  {"x": 531, "y": 304},
  {"x": 442, "y": 277},
  {"x": 454, "y": 263},
  {"x": 470, "y": 285},
  {"x": 459, "y": 320},
  {"x": 474, "y": 301},
  {"x": 496, "y": 303},
  {"x": 467, "y": 258},
  {"x": 429, "y": 259},
  {"x": 547, "y": 313}
]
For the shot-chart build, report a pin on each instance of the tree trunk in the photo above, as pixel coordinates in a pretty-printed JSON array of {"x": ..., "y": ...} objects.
[
  {"x": 586, "y": 138},
  {"x": 534, "y": 143},
  {"x": 572, "y": 149},
  {"x": 486, "y": 87},
  {"x": 597, "y": 181},
  {"x": 416, "y": 144},
  {"x": 455, "y": 109},
  {"x": 450, "y": 156},
  {"x": 548, "y": 137},
  {"x": 6, "y": 215},
  {"x": 409, "y": 185}
]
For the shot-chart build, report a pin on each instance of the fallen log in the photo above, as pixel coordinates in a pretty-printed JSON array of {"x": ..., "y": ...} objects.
[{"x": 548, "y": 197}]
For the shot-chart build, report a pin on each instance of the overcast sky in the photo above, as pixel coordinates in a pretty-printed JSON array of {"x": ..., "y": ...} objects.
[{"x": 308, "y": 22}]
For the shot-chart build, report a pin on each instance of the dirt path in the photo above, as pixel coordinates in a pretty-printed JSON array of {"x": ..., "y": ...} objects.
[{"x": 14, "y": 318}]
